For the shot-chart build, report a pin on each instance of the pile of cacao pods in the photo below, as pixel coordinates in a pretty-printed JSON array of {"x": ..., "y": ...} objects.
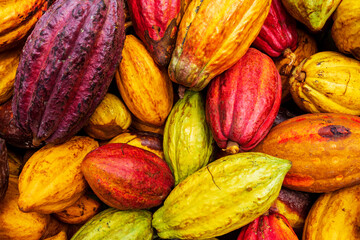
[{"x": 180, "y": 119}]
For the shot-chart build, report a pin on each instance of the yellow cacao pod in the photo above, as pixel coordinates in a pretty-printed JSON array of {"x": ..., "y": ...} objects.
[
  {"x": 15, "y": 224},
  {"x": 9, "y": 62},
  {"x": 335, "y": 215},
  {"x": 346, "y": 28},
  {"x": 60, "y": 236},
  {"x": 51, "y": 179},
  {"x": 15, "y": 164},
  {"x": 111, "y": 117},
  {"x": 145, "y": 88},
  {"x": 327, "y": 82}
]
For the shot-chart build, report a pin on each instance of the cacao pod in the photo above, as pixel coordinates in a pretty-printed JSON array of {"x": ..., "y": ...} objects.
[
  {"x": 272, "y": 226},
  {"x": 53, "y": 228},
  {"x": 66, "y": 67},
  {"x": 156, "y": 24},
  {"x": 334, "y": 215},
  {"x": 278, "y": 32},
  {"x": 9, "y": 131},
  {"x": 116, "y": 224},
  {"x": 213, "y": 35},
  {"x": 110, "y": 118},
  {"x": 51, "y": 179},
  {"x": 80, "y": 212},
  {"x": 4, "y": 169},
  {"x": 286, "y": 63},
  {"x": 313, "y": 14},
  {"x": 17, "y": 18},
  {"x": 327, "y": 82},
  {"x": 346, "y": 28},
  {"x": 188, "y": 142},
  {"x": 60, "y": 236},
  {"x": 15, "y": 163},
  {"x": 15, "y": 224},
  {"x": 9, "y": 62},
  {"x": 145, "y": 88},
  {"x": 242, "y": 103},
  {"x": 140, "y": 126},
  {"x": 127, "y": 177},
  {"x": 236, "y": 189},
  {"x": 323, "y": 148},
  {"x": 149, "y": 141}
]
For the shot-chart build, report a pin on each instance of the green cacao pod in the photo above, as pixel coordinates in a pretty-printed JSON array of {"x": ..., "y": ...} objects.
[
  {"x": 235, "y": 190},
  {"x": 115, "y": 224},
  {"x": 188, "y": 143}
]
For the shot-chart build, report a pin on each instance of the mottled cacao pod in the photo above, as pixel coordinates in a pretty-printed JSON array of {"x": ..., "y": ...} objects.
[
  {"x": 66, "y": 67},
  {"x": 156, "y": 24},
  {"x": 278, "y": 32},
  {"x": 242, "y": 103},
  {"x": 213, "y": 35},
  {"x": 188, "y": 142},
  {"x": 4, "y": 169}
]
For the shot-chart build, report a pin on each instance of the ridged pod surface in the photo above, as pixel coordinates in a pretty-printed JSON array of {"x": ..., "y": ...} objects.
[
  {"x": 145, "y": 88},
  {"x": 346, "y": 28},
  {"x": 127, "y": 177},
  {"x": 17, "y": 18},
  {"x": 271, "y": 226},
  {"x": 236, "y": 189},
  {"x": 327, "y": 82},
  {"x": 156, "y": 24},
  {"x": 118, "y": 225},
  {"x": 188, "y": 142},
  {"x": 9, "y": 62},
  {"x": 66, "y": 67},
  {"x": 242, "y": 103},
  {"x": 323, "y": 149},
  {"x": 334, "y": 215},
  {"x": 213, "y": 35},
  {"x": 4, "y": 169},
  {"x": 313, "y": 14},
  {"x": 278, "y": 31},
  {"x": 51, "y": 179}
]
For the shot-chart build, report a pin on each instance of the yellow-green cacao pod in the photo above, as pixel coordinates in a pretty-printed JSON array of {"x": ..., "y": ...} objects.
[
  {"x": 114, "y": 224},
  {"x": 327, "y": 82},
  {"x": 221, "y": 197},
  {"x": 188, "y": 143}
]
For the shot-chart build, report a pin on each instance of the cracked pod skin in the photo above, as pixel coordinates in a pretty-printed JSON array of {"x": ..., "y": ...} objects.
[
  {"x": 271, "y": 226},
  {"x": 156, "y": 24},
  {"x": 323, "y": 149},
  {"x": 313, "y": 14},
  {"x": 242, "y": 103},
  {"x": 236, "y": 189},
  {"x": 213, "y": 36},
  {"x": 278, "y": 32},
  {"x": 66, "y": 67},
  {"x": 327, "y": 82}
]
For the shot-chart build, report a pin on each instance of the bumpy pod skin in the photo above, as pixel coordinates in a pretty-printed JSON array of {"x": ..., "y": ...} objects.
[
  {"x": 236, "y": 189},
  {"x": 127, "y": 177},
  {"x": 272, "y": 226},
  {"x": 313, "y": 14},
  {"x": 346, "y": 28},
  {"x": 4, "y": 169},
  {"x": 156, "y": 24},
  {"x": 278, "y": 32},
  {"x": 242, "y": 103},
  {"x": 117, "y": 225},
  {"x": 188, "y": 142},
  {"x": 327, "y": 82},
  {"x": 213, "y": 36},
  {"x": 323, "y": 149},
  {"x": 66, "y": 66}
]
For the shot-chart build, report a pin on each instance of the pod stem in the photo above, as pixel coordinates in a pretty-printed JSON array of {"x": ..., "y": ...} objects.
[
  {"x": 298, "y": 74},
  {"x": 232, "y": 147},
  {"x": 292, "y": 57},
  {"x": 36, "y": 141},
  {"x": 128, "y": 25}
]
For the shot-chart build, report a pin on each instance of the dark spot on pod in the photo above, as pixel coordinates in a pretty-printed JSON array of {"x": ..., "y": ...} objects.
[{"x": 334, "y": 132}]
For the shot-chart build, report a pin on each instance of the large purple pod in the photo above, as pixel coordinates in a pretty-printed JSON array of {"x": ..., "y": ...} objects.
[{"x": 66, "y": 67}]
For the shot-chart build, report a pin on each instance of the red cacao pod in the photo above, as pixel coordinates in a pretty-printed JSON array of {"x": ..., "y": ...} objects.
[
  {"x": 273, "y": 226},
  {"x": 66, "y": 67},
  {"x": 278, "y": 32},
  {"x": 156, "y": 24},
  {"x": 242, "y": 103},
  {"x": 127, "y": 177}
]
